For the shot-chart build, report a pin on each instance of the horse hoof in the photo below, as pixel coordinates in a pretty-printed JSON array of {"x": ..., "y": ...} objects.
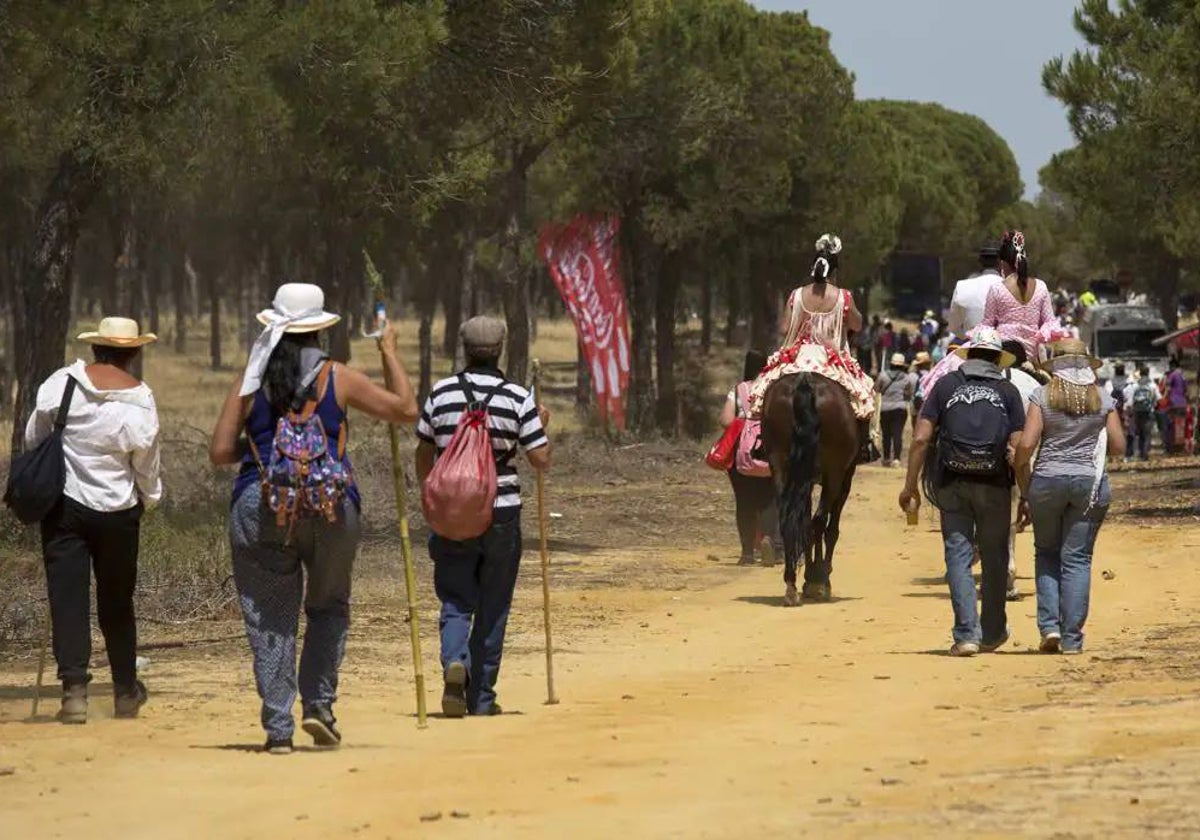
[
  {"x": 819, "y": 592},
  {"x": 791, "y": 598}
]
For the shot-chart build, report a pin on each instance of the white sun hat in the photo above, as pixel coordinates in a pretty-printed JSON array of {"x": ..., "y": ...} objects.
[
  {"x": 297, "y": 308},
  {"x": 118, "y": 332}
]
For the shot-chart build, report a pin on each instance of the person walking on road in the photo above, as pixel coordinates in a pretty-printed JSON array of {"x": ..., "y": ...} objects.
[
  {"x": 971, "y": 420},
  {"x": 897, "y": 386},
  {"x": 1074, "y": 426},
  {"x": 111, "y": 454},
  {"x": 1141, "y": 400},
  {"x": 754, "y": 496},
  {"x": 1177, "y": 403},
  {"x": 475, "y": 578},
  {"x": 294, "y": 523}
]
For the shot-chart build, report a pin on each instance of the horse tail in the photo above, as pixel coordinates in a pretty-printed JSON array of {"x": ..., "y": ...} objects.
[{"x": 796, "y": 508}]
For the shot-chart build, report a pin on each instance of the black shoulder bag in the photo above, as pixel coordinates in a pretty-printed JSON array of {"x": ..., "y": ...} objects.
[{"x": 37, "y": 477}]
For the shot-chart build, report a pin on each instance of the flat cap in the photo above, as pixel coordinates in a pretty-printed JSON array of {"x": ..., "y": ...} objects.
[{"x": 483, "y": 331}]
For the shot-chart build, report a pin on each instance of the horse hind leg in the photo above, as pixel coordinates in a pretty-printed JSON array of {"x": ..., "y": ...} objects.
[
  {"x": 832, "y": 532},
  {"x": 816, "y": 585},
  {"x": 792, "y": 541}
]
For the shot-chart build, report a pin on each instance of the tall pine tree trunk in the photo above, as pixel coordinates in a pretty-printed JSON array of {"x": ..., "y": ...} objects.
[
  {"x": 706, "y": 312},
  {"x": 514, "y": 278},
  {"x": 180, "y": 288},
  {"x": 583, "y": 381},
  {"x": 733, "y": 307},
  {"x": 467, "y": 293},
  {"x": 214, "y": 321},
  {"x": 339, "y": 264},
  {"x": 666, "y": 413},
  {"x": 43, "y": 293},
  {"x": 642, "y": 259}
]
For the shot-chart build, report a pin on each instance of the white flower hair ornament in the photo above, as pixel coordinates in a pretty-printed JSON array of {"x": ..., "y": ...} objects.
[{"x": 829, "y": 244}]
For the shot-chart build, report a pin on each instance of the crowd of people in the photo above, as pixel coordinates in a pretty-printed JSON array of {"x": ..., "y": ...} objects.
[
  {"x": 1006, "y": 410},
  {"x": 294, "y": 511}
]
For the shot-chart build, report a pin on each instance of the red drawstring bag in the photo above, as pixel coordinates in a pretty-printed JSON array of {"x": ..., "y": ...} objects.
[
  {"x": 460, "y": 492},
  {"x": 721, "y": 456}
]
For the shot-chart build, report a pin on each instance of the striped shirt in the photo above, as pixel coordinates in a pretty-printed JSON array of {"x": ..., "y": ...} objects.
[{"x": 513, "y": 423}]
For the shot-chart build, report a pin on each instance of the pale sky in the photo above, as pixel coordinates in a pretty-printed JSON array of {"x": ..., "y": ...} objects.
[{"x": 978, "y": 56}]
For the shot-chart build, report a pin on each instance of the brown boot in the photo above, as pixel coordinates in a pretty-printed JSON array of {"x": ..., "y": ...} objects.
[
  {"x": 74, "y": 704},
  {"x": 128, "y": 700}
]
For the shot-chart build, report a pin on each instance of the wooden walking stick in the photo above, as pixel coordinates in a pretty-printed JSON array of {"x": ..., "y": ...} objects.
[
  {"x": 543, "y": 533},
  {"x": 398, "y": 483}
]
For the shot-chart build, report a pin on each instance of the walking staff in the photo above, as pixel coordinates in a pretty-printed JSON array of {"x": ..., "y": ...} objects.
[
  {"x": 401, "y": 491},
  {"x": 543, "y": 533}
]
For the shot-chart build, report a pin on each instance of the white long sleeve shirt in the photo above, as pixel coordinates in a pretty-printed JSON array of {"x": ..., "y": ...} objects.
[
  {"x": 110, "y": 441},
  {"x": 970, "y": 297}
]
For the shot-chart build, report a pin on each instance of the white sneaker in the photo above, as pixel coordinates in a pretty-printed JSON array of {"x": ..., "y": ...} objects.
[
  {"x": 964, "y": 649},
  {"x": 1051, "y": 643}
]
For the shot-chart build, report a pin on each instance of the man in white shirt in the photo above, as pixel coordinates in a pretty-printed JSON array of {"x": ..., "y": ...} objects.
[{"x": 970, "y": 295}]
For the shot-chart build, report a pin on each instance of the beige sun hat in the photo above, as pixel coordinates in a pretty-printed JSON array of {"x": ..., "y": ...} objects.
[
  {"x": 118, "y": 332},
  {"x": 1070, "y": 348},
  {"x": 898, "y": 360},
  {"x": 298, "y": 308}
]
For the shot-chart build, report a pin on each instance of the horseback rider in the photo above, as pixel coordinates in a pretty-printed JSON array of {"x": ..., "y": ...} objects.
[{"x": 816, "y": 322}]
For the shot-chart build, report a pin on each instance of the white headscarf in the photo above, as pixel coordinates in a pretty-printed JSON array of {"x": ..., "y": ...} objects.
[{"x": 1075, "y": 370}]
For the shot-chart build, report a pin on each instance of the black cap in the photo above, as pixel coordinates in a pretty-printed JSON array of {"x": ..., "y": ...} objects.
[{"x": 989, "y": 250}]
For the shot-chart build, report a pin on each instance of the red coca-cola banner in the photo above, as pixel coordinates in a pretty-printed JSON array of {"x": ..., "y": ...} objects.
[{"x": 582, "y": 257}]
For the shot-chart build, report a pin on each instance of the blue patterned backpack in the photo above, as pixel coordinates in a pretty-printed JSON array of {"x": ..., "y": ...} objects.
[{"x": 302, "y": 477}]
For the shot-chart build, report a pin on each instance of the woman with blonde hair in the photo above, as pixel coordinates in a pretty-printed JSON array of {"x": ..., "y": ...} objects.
[
  {"x": 110, "y": 452},
  {"x": 1074, "y": 426},
  {"x": 294, "y": 524}
]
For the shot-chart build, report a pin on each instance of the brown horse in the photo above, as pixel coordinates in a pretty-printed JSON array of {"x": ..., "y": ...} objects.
[{"x": 809, "y": 430}]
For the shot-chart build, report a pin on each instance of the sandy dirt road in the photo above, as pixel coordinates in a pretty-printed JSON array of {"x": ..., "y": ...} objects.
[{"x": 697, "y": 707}]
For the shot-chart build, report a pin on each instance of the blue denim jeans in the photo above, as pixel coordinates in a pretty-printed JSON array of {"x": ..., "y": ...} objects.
[
  {"x": 974, "y": 512},
  {"x": 1143, "y": 434},
  {"x": 475, "y": 580},
  {"x": 1064, "y": 536}
]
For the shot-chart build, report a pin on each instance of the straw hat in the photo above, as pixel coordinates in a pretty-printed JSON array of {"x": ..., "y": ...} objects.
[
  {"x": 1070, "y": 348},
  {"x": 898, "y": 360},
  {"x": 987, "y": 338},
  {"x": 118, "y": 332},
  {"x": 300, "y": 308},
  {"x": 922, "y": 359}
]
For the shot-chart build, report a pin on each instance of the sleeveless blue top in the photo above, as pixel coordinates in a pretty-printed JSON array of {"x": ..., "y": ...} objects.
[{"x": 261, "y": 424}]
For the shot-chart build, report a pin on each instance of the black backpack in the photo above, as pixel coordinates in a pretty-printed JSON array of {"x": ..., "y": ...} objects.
[
  {"x": 37, "y": 478},
  {"x": 973, "y": 430}
]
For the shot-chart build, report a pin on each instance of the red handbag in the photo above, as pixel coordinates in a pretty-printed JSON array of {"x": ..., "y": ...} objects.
[{"x": 721, "y": 456}]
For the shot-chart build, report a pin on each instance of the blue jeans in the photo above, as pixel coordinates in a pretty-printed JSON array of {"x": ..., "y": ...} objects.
[
  {"x": 1143, "y": 432},
  {"x": 976, "y": 513},
  {"x": 1064, "y": 536},
  {"x": 475, "y": 580}
]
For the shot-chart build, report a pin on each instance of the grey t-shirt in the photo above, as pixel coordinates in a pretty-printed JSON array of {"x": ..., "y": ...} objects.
[
  {"x": 1068, "y": 445},
  {"x": 897, "y": 388}
]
